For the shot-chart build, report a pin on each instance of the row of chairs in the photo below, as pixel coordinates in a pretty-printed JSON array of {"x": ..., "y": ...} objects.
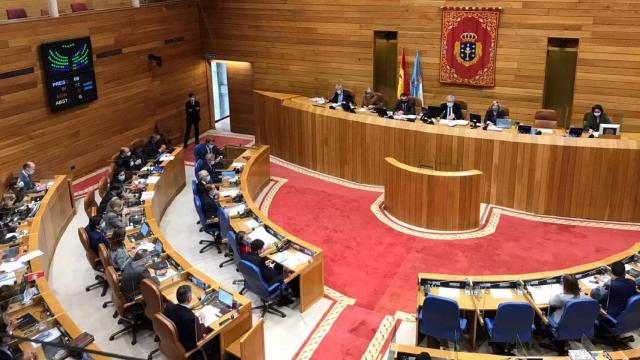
[
  {"x": 21, "y": 13},
  {"x": 514, "y": 321}
]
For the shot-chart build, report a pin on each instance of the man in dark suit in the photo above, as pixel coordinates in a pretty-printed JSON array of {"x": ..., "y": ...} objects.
[
  {"x": 153, "y": 149},
  {"x": 270, "y": 273},
  {"x": 28, "y": 185},
  {"x": 192, "y": 109},
  {"x": 342, "y": 96},
  {"x": 114, "y": 191},
  {"x": 450, "y": 110},
  {"x": 133, "y": 273},
  {"x": 208, "y": 147},
  {"x": 210, "y": 201},
  {"x": 95, "y": 234},
  {"x": 613, "y": 295},
  {"x": 203, "y": 179},
  {"x": 405, "y": 106},
  {"x": 213, "y": 165},
  {"x": 190, "y": 327},
  {"x": 123, "y": 161}
]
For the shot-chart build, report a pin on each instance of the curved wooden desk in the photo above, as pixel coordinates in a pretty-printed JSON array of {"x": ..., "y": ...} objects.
[
  {"x": 438, "y": 200},
  {"x": 546, "y": 174},
  {"x": 55, "y": 212}
]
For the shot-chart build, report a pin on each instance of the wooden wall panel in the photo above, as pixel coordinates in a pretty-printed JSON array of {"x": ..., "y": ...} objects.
[
  {"x": 132, "y": 94},
  {"x": 304, "y": 47},
  {"x": 240, "y": 81},
  {"x": 33, "y": 7},
  {"x": 548, "y": 174}
]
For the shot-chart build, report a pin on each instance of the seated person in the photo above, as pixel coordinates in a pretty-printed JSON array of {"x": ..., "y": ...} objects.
[
  {"x": 405, "y": 106},
  {"x": 243, "y": 242},
  {"x": 450, "y": 109},
  {"x": 203, "y": 179},
  {"x": 570, "y": 291},
  {"x": 26, "y": 177},
  {"x": 342, "y": 96},
  {"x": 121, "y": 177},
  {"x": 190, "y": 327},
  {"x": 212, "y": 165},
  {"x": 495, "y": 112},
  {"x": 133, "y": 273},
  {"x": 113, "y": 216},
  {"x": 271, "y": 272},
  {"x": 153, "y": 149},
  {"x": 118, "y": 254},
  {"x": 208, "y": 147},
  {"x": 593, "y": 120},
  {"x": 371, "y": 100},
  {"x": 210, "y": 201},
  {"x": 124, "y": 158},
  {"x": 95, "y": 232},
  {"x": 136, "y": 163},
  {"x": 114, "y": 192},
  {"x": 613, "y": 294}
]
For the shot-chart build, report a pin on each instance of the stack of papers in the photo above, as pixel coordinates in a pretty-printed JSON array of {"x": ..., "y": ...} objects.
[
  {"x": 146, "y": 246},
  {"x": 454, "y": 122},
  {"x": 153, "y": 179},
  {"x": 262, "y": 234},
  {"x": 501, "y": 293},
  {"x": 251, "y": 224},
  {"x": 291, "y": 259},
  {"x": 237, "y": 165},
  {"x": 542, "y": 294},
  {"x": 166, "y": 157},
  {"x": 146, "y": 195},
  {"x": 449, "y": 292},
  {"x": 10, "y": 266},
  {"x": 30, "y": 256},
  {"x": 591, "y": 282},
  {"x": 8, "y": 278},
  {"x": 235, "y": 209},
  {"x": 229, "y": 192},
  {"x": 210, "y": 314},
  {"x": 545, "y": 131}
]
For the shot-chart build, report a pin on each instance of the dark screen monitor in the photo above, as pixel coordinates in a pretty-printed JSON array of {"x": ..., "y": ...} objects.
[
  {"x": 575, "y": 132},
  {"x": 68, "y": 73},
  {"x": 475, "y": 118},
  {"x": 433, "y": 112}
]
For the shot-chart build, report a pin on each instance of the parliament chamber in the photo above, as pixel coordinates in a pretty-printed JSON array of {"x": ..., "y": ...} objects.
[{"x": 205, "y": 179}]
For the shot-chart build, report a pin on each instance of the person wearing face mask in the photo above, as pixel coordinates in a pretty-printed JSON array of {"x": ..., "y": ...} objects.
[
  {"x": 596, "y": 117},
  {"x": 213, "y": 165},
  {"x": 210, "y": 201},
  {"x": 114, "y": 192},
  {"x": 203, "y": 179},
  {"x": 124, "y": 158},
  {"x": 192, "y": 109},
  {"x": 371, "y": 100},
  {"x": 26, "y": 177},
  {"x": 208, "y": 147},
  {"x": 495, "y": 112},
  {"x": 405, "y": 105},
  {"x": 450, "y": 110},
  {"x": 95, "y": 232},
  {"x": 342, "y": 96},
  {"x": 120, "y": 177},
  {"x": 113, "y": 216},
  {"x": 152, "y": 148}
]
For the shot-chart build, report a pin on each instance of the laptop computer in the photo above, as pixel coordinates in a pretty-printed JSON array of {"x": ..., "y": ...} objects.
[
  {"x": 524, "y": 129},
  {"x": 503, "y": 123},
  {"x": 575, "y": 132},
  {"x": 225, "y": 297},
  {"x": 144, "y": 232}
]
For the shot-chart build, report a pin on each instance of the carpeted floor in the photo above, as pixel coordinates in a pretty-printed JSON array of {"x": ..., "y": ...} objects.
[{"x": 378, "y": 266}]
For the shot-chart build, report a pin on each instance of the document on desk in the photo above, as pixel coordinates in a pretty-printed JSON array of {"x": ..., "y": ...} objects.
[
  {"x": 262, "y": 234},
  {"x": 210, "y": 314},
  {"x": 545, "y": 131},
  {"x": 229, "y": 192},
  {"x": 251, "y": 224},
  {"x": 153, "y": 179},
  {"x": 30, "y": 256},
  {"x": 449, "y": 292},
  {"x": 501, "y": 293},
  {"x": 170, "y": 272},
  {"x": 291, "y": 259},
  {"x": 235, "y": 209},
  {"x": 237, "y": 165},
  {"x": 146, "y": 195},
  {"x": 8, "y": 278},
  {"x": 542, "y": 294},
  {"x": 48, "y": 335},
  {"x": 146, "y": 246},
  {"x": 10, "y": 266},
  {"x": 167, "y": 157},
  {"x": 591, "y": 282}
]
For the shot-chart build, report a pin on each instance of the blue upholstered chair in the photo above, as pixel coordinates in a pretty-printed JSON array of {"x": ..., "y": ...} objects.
[
  {"x": 254, "y": 282},
  {"x": 578, "y": 318},
  {"x": 440, "y": 318},
  {"x": 235, "y": 251},
  {"x": 211, "y": 229},
  {"x": 513, "y": 323},
  {"x": 197, "y": 150},
  {"x": 225, "y": 228},
  {"x": 627, "y": 321},
  {"x": 199, "y": 166}
]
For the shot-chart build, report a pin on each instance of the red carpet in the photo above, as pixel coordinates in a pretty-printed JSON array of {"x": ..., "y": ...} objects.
[
  {"x": 221, "y": 141},
  {"x": 80, "y": 188},
  {"x": 378, "y": 266}
]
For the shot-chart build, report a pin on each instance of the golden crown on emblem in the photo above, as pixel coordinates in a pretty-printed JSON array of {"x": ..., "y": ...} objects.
[{"x": 468, "y": 37}]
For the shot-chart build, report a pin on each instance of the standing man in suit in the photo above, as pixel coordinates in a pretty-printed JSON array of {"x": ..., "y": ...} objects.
[
  {"x": 342, "y": 96},
  {"x": 613, "y": 294},
  {"x": 28, "y": 185},
  {"x": 190, "y": 327},
  {"x": 405, "y": 106},
  {"x": 192, "y": 109},
  {"x": 450, "y": 110}
]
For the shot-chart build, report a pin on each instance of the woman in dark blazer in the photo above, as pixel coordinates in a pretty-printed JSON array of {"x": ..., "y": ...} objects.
[
  {"x": 495, "y": 112},
  {"x": 593, "y": 120}
]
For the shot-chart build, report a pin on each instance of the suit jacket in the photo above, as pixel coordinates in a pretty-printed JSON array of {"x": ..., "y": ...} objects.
[
  {"x": 192, "y": 110},
  {"x": 489, "y": 116},
  {"x": 375, "y": 101},
  {"x": 407, "y": 107},
  {"x": 270, "y": 276},
  {"x": 189, "y": 327},
  {"x": 130, "y": 279},
  {"x": 150, "y": 151},
  {"x": 347, "y": 96},
  {"x": 213, "y": 170},
  {"x": 112, "y": 221},
  {"x": 102, "y": 208},
  {"x": 592, "y": 123},
  {"x": 29, "y": 184},
  {"x": 96, "y": 238},
  {"x": 457, "y": 111},
  {"x": 209, "y": 205},
  {"x": 615, "y": 296},
  {"x": 201, "y": 150},
  {"x": 200, "y": 189},
  {"x": 123, "y": 162}
]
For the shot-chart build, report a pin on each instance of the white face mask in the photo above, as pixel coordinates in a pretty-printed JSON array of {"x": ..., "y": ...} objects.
[
  {"x": 449, "y": 103},
  {"x": 597, "y": 113},
  {"x": 19, "y": 185},
  {"x": 339, "y": 91},
  {"x": 121, "y": 177},
  {"x": 208, "y": 179},
  {"x": 129, "y": 153},
  {"x": 495, "y": 109}
]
